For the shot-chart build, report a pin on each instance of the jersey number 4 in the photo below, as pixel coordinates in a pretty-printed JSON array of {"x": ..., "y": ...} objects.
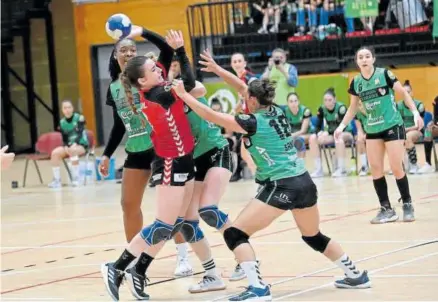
[{"x": 282, "y": 127}]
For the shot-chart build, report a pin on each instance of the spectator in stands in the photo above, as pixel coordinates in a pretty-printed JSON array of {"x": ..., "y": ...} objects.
[
  {"x": 74, "y": 137},
  {"x": 334, "y": 7},
  {"x": 407, "y": 13},
  {"x": 309, "y": 7},
  {"x": 284, "y": 74},
  {"x": 6, "y": 159},
  {"x": 269, "y": 8},
  {"x": 330, "y": 116}
]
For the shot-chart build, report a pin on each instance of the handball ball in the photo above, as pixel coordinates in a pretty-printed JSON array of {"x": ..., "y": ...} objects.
[{"x": 118, "y": 26}]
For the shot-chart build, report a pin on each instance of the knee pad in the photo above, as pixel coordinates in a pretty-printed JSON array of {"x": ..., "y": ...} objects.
[
  {"x": 318, "y": 242},
  {"x": 74, "y": 158},
  {"x": 191, "y": 231},
  {"x": 235, "y": 237},
  {"x": 177, "y": 226},
  {"x": 300, "y": 144},
  {"x": 156, "y": 232},
  {"x": 213, "y": 216}
]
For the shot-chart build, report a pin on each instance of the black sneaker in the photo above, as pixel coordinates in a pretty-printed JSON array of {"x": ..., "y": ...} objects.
[
  {"x": 112, "y": 279},
  {"x": 136, "y": 284}
]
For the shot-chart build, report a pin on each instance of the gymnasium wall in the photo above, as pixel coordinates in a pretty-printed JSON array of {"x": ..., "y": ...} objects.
[
  {"x": 65, "y": 51},
  {"x": 424, "y": 81},
  {"x": 90, "y": 19}
]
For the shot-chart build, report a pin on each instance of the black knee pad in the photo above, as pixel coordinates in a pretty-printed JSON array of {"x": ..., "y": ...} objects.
[
  {"x": 318, "y": 242},
  {"x": 235, "y": 237}
]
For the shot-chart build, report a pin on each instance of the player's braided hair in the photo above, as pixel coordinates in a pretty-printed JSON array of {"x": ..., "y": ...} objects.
[{"x": 133, "y": 71}]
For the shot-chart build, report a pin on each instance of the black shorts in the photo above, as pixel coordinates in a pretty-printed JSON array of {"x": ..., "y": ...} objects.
[
  {"x": 173, "y": 172},
  {"x": 140, "y": 160},
  {"x": 395, "y": 133},
  {"x": 298, "y": 192},
  {"x": 216, "y": 157}
]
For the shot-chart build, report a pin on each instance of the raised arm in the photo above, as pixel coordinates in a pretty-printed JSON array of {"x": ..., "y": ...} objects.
[
  {"x": 176, "y": 41},
  {"x": 222, "y": 119},
  {"x": 166, "y": 51},
  {"x": 232, "y": 80}
]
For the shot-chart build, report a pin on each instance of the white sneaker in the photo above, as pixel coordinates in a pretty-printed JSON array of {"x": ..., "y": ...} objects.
[
  {"x": 339, "y": 173},
  {"x": 317, "y": 173},
  {"x": 238, "y": 273},
  {"x": 183, "y": 267},
  {"x": 363, "y": 171},
  {"x": 55, "y": 184},
  {"x": 426, "y": 169},
  {"x": 413, "y": 169},
  {"x": 207, "y": 284},
  {"x": 262, "y": 31},
  {"x": 75, "y": 182}
]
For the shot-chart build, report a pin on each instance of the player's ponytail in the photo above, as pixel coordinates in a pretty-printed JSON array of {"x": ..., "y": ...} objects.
[
  {"x": 407, "y": 83},
  {"x": 128, "y": 91},
  {"x": 263, "y": 90}
]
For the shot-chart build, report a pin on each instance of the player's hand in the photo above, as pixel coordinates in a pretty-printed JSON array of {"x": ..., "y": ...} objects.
[
  {"x": 136, "y": 31},
  {"x": 208, "y": 62},
  {"x": 103, "y": 166},
  {"x": 175, "y": 39},
  {"x": 338, "y": 133},
  {"x": 419, "y": 123},
  {"x": 6, "y": 158},
  {"x": 178, "y": 87}
]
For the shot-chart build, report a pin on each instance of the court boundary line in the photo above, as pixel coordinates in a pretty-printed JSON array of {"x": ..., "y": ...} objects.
[
  {"x": 337, "y": 218},
  {"x": 400, "y": 263},
  {"x": 335, "y": 267}
]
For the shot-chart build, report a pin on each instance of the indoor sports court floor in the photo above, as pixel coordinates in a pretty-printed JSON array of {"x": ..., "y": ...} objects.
[{"x": 53, "y": 243}]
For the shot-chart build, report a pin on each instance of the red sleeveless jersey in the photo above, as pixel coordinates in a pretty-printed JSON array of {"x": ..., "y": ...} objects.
[{"x": 171, "y": 135}]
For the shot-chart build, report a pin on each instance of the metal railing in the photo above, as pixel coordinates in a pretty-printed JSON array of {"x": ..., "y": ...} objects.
[{"x": 401, "y": 28}]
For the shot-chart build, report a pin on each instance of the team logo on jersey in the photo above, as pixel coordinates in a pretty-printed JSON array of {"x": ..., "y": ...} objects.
[
  {"x": 376, "y": 82},
  {"x": 306, "y": 112},
  {"x": 391, "y": 75},
  {"x": 421, "y": 108},
  {"x": 186, "y": 108},
  {"x": 244, "y": 117},
  {"x": 342, "y": 110},
  {"x": 382, "y": 91}
]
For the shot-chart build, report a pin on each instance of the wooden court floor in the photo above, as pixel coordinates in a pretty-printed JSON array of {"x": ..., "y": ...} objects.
[{"x": 53, "y": 242}]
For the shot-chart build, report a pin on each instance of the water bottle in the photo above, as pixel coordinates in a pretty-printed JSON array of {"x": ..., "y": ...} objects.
[
  {"x": 89, "y": 172},
  {"x": 82, "y": 171}
]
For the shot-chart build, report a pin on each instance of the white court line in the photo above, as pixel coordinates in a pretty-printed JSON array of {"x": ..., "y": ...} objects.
[
  {"x": 55, "y": 246},
  {"x": 333, "y": 267},
  {"x": 32, "y": 299},
  {"x": 18, "y": 224},
  {"x": 97, "y": 265},
  {"x": 400, "y": 263}
]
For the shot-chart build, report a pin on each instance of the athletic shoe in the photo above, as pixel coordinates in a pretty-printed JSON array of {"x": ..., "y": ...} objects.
[
  {"x": 183, "y": 267},
  {"x": 207, "y": 284},
  {"x": 360, "y": 282},
  {"x": 112, "y": 279},
  {"x": 136, "y": 284},
  {"x": 426, "y": 169},
  {"x": 254, "y": 293},
  {"x": 385, "y": 215},
  {"x": 408, "y": 212}
]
